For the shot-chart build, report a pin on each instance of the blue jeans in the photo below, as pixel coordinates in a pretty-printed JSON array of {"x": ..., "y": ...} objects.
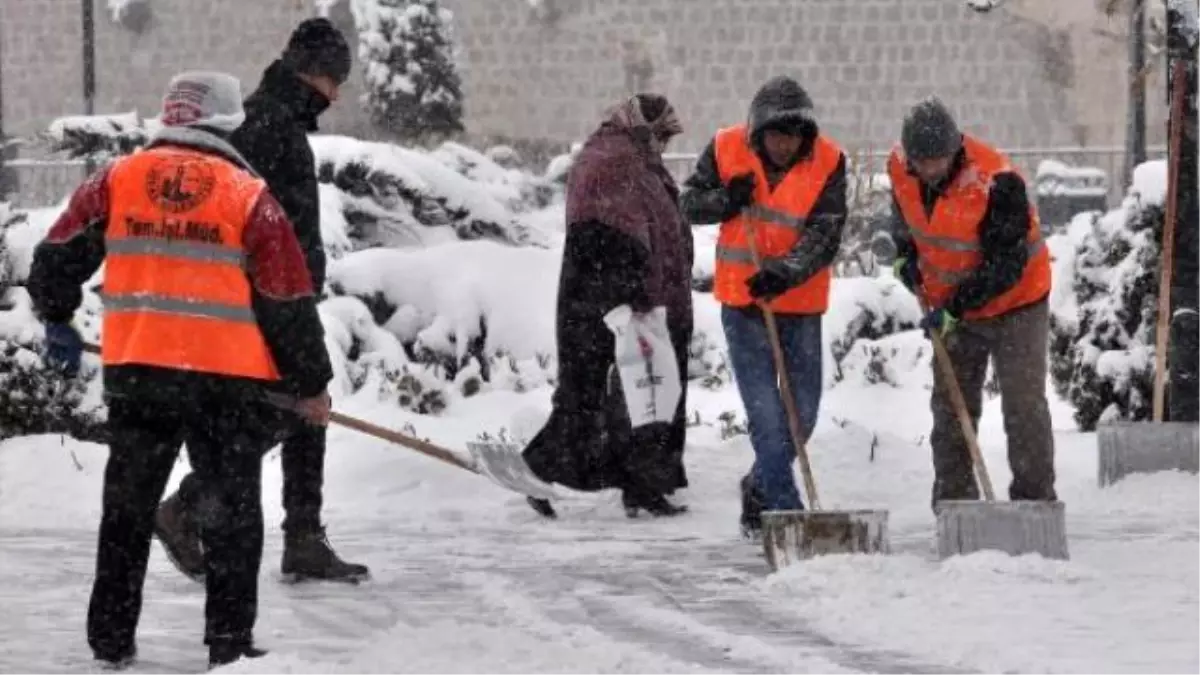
[{"x": 754, "y": 371}]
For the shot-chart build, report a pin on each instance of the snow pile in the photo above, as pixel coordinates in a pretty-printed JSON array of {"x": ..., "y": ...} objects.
[
  {"x": 863, "y": 311},
  {"x": 406, "y": 48},
  {"x": 1105, "y": 305}
]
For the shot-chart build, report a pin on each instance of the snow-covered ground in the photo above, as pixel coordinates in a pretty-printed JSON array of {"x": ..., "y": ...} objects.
[{"x": 468, "y": 579}]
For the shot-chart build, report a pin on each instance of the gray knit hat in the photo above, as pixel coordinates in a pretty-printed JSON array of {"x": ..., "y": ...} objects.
[{"x": 203, "y": 99}]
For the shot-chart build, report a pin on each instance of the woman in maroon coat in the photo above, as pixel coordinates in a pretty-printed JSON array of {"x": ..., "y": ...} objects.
[{"x": 626, "y": 244}]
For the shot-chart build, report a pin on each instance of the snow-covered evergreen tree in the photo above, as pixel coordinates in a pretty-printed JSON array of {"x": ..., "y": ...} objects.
[
  {"x": 413, "y": 86},
  {"x": 1102, "y": 330}
]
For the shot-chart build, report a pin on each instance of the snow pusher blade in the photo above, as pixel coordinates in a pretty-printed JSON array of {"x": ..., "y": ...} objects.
[
  {"x": 503, "y": 463},
  {"x": 793, "y": 536}
]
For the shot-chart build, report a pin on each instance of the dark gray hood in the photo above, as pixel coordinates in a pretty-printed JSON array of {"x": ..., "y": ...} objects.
[{"x": 781, "y": 102}]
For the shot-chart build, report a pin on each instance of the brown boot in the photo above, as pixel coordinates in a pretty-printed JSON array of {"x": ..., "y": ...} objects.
[{"x": 176, "y": 531}]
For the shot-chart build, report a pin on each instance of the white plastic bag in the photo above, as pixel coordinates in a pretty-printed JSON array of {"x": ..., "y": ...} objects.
[{"x": 645, "y": 361}]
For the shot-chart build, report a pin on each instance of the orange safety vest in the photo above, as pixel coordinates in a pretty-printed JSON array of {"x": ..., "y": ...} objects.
[
  {"x": 777, "y": 218},
  {"x": 176, "y": 294},
  {"x": 948, "y": 248}
]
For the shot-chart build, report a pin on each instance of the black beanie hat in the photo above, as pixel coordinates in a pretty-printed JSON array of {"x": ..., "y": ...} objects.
[
  {"x": 930, "y": 131},
  {"x": 317, "y": 47}
]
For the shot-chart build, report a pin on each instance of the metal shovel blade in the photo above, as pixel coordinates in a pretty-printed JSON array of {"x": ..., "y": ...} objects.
[
  {"x": 1016, "y": 528},
  {"x": 504, "y": 465},
  {"x": 793, "y": 536}
]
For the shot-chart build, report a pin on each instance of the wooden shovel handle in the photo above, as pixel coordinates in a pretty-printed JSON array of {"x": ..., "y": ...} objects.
[
  {"x": 785, "y": 385},
  {"x": 1178, "y": 91},
  {"x": 382, "y": 433},
  {"x": 950, "y": 379}
]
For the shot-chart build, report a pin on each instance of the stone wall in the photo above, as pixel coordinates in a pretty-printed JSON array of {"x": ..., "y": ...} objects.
[
  {"x": 548, "y": 73},
  {"x": 863, "y": 61}
]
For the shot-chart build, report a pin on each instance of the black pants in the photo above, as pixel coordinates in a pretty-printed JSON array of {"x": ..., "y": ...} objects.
[
  {"x": 226, "y": 442},
  {"x": 303, "y": 476}
]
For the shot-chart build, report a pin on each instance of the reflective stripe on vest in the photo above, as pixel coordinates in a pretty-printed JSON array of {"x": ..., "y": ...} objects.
[
  {"x": 947, "y": 241},
  {"x": 778, "y": 218},
  {"x": 146, "y": 302},
  {"x": 177, "y": 249},
  {"x": 176, "y": 294}
]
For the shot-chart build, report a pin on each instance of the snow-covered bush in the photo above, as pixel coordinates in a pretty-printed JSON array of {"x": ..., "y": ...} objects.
[
  {"x": 406, "y": 48},
  {"x": 864, "y": 309},
  {"x": 397, "y": 196},
  {"x": 97, "y": 137},
  {"x": 1105, "y": 305}
]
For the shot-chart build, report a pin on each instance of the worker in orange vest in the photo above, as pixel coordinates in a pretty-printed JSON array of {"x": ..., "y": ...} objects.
[
  {"x": 969, "y": 243},
  {"x": 778, "y": 179},
  {"x": 208, "y": 305}
]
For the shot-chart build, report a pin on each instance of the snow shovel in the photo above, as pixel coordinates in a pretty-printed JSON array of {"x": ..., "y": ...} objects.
[
  {"x": 1142, "y": 447},
  {"x": 509, "y": 471},
  {"x": 795, "y": 535},
  {"x": 965, "y": 526}
]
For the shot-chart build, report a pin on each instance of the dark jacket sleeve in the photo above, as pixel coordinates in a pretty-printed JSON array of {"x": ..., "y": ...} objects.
[
  {"x": 284, "y": 302},
  {"x": 822, "y": 239},
  {"x": 900, "y": 233},
  {"x": 602, "y": 269},
  {"x": 278, "y": 150},
  {"x": 704, "y": 200},
  {"x": 71, "y": 252},
  {"x": 1002, "y": 238}
]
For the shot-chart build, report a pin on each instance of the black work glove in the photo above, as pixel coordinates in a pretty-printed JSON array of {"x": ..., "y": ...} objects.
[
  {"x": 773, "y": 278},
  {"x": 739, "y": 194},
  {"x": 906, "y": 270}
]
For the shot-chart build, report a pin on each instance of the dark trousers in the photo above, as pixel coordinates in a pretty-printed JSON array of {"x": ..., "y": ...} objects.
[
  {"x": 225, "y": 442},
  {"x": 303, "y": 460},
  {"x": 1016, "y": 343}
]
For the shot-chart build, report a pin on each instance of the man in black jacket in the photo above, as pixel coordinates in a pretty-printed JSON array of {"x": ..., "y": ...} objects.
[{"x": 294, "y": 91}]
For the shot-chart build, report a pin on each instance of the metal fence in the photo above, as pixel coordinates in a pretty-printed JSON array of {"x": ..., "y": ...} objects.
[
  {"x": 37, "y": 183},
  {"x": 45, "y": 182},
  {"x": 1110, "y": 160}
]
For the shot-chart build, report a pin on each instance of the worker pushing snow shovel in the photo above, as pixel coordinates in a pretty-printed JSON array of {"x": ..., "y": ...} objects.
[
  {"x": 969, "y": 245},
  {"x": 508, "y": 472},
  {"x": 777, "y": 186}
]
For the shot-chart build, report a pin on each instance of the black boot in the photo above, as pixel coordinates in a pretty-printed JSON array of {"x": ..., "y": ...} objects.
[
  {"x": 653, "y": 503},
  {"x": 222, "y": 652},
  {"x": 116, "y": 660},
  {"x": 543, "y": 506},
  {"x": 752, "y": 508},
  {"x": 307, "y": 555},
  {"x": 175, "y": 527}
]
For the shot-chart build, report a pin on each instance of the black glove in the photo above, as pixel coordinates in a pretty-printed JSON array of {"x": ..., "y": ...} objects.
[
  {"x": 773, "y": 278},
  {"x": 739, "y": 194}
]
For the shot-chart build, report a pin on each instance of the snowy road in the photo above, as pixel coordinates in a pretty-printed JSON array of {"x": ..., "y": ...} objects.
[
  {"x": 688, "y": 601},
  {"x": 468, "y": 579}
]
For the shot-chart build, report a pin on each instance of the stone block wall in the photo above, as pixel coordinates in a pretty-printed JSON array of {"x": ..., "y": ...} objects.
[
  {"x": 548, "y": 73},
  {"x": 863, "y": 61}
]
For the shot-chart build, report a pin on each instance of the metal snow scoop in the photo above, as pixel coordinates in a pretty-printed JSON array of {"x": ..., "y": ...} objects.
[
  {"x": 506, "y": 469},
  {"x": 966, "y": 526},
  {"x": 1144, "y": 447},
  {"x": 796, "y": 535}
]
